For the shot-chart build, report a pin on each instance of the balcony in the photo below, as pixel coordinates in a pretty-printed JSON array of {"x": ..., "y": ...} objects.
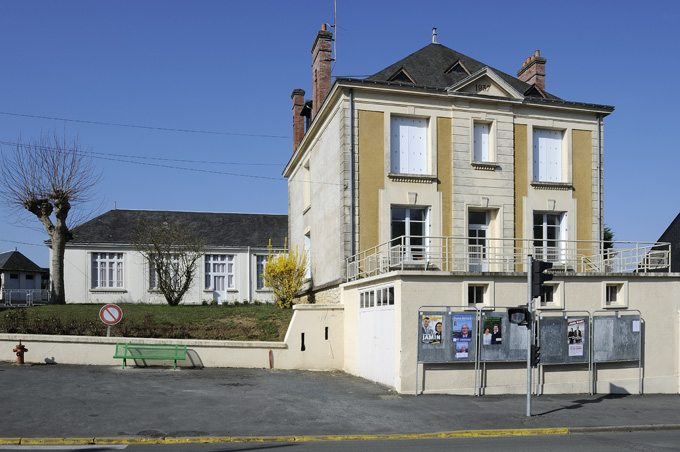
[{"x": 472, "y": 254}]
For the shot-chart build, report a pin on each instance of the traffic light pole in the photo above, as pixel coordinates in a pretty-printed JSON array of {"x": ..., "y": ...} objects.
[{"x": 530, "y": 331}]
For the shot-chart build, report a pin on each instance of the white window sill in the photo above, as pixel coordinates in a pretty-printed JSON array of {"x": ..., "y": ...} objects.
[{"x": 112, "y": 289}]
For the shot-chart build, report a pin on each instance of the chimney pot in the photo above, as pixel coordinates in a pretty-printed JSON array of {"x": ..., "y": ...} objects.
[
  {"x": 533, "y": 70},
  {"x": 323, "y": 27}
]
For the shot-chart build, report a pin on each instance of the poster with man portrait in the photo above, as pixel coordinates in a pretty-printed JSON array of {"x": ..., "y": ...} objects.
[
  {"x": 462, "y": 350},
  {"x": 431, "y": 329},
  {"x": 575, "y": 329},
  {"x": 492, "y": 331},
  {"x": 462, "y": 328}
]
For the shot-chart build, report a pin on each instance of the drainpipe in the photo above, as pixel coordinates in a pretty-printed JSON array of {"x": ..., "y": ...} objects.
[
  {"x": 250, "y": 277},
  {"x": 600, "y": 207},
  {"x": 351, "y": 173}
]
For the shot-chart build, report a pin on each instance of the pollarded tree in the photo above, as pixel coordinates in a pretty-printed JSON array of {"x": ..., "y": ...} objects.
[
  {"x": 172, "y": 251},
  {"x": 49, "y": 177},
  {"x": 285, "y": 273}
]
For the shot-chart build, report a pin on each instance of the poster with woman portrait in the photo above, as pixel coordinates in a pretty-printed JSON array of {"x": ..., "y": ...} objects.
[
  {"x": 431, "y": 329},
  {"x": 492, "y": 331}
]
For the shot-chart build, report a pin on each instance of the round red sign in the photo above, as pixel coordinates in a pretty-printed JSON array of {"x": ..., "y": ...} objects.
[{"x": 111, "y": 314}]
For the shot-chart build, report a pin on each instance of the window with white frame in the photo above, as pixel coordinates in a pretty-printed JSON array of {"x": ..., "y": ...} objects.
[
  {"x": 172, "y": 269},
  {"x": 482, "y": 142},
  {"x": 547, "y": 155},
  {"x": 408, "y": 145},
  {"x": 410, "y": 228},
  {"x": 260, "y": 263},
  {"x": 107, "y": 271},
  {"x": 475, "y": 295},
  {"x": 376, "y": 297},
  {"x": 549, "y": 236},
  {"x": 219, "y": 272},
  {"x": 615, "y": 294}
]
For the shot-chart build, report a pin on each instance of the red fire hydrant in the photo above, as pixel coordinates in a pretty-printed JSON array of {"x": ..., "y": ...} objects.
[{"x": 20, "y": 350}]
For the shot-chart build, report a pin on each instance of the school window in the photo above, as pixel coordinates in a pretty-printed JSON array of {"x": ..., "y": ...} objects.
[
  {"x": 408, "y": 145},
  {"x": 219, "y": 271},
  {"x": 107, "y": 270},
  {"x": 172, "y": 268},
  {"x": 307, "y": 248},
  {"x": 482, "y": 142},
  {"x": 260, "y": 262},
  {"x": 547, "y": 155}
]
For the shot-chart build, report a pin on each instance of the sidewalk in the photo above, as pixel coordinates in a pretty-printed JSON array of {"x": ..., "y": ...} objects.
[{"x": 60, "y": 401}]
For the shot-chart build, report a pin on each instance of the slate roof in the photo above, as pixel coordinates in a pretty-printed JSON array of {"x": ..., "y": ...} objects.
[
  {"x": 15, "y": 261},
  {"x": 430, "y": 67},
  {"x": 118, "y": 227},
  {"x": 672, "y": 235}
]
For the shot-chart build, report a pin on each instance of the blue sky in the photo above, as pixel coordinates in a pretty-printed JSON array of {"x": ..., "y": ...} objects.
[{"x": 220, "y": 74}]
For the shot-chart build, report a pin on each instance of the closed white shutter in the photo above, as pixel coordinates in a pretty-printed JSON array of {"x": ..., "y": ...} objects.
[
  {"x": 481, "y": 144},
  {"x": 547, "y": 155},
  {"x": 408, "y": 145}
]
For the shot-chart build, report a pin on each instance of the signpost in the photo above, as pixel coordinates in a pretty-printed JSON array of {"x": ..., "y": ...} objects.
[{"x": 110, "y": 314}]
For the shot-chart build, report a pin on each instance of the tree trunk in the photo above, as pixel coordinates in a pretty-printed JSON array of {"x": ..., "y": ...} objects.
[{"x": 57, "y": 276}]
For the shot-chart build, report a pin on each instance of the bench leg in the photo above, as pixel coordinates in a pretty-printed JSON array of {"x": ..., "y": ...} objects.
[{"x": 124, "y": 361}]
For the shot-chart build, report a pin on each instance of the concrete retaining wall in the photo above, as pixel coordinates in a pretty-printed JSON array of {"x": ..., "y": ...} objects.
[{"x": 320, "y": 326}]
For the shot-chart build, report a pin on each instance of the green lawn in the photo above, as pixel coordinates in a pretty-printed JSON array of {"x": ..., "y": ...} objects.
[{"x": 241, "y": 322}]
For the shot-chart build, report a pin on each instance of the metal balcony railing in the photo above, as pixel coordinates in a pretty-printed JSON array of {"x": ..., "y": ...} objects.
[{"x": 472, "y": 254}]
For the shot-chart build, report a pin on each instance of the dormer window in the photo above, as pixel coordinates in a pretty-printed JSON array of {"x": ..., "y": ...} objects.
[
  {"x": 402, "y": 76},
  {"x": 457, "y": 67}
]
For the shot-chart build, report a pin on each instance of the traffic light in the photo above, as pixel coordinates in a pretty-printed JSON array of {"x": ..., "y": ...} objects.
[
  {"x": 520, "y": 316},
  {"x": 535, "y": 355},
  {"x": 539, "y": 277}
]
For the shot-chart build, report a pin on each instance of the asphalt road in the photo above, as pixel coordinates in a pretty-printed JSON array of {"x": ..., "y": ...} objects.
[{"x": 61, "y": 401}]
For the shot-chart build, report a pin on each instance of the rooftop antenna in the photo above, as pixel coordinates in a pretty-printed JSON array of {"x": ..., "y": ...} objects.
[
  {"x": 335, "y": 32},
  {"x": 434, "y": 35}
]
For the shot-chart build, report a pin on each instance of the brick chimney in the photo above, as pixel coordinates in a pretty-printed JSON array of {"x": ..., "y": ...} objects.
[
  {"x": 533, "y": 71},
  {"x": 298, "y": 97},
  {"x": 321, "y": 68}
]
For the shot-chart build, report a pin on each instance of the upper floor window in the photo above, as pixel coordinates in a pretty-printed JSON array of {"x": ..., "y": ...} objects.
[
  {"x": 482, "y": 142},
  {"x": 549, "y": 236},
  {"x": 408, "y": 145},
  {"x": 547, "y": 155},
  {"x": 219, "y": 271},
  {"x": 261, "y": 261},
  {"x": 410, "y": 228},
  {"x": 107, "y": 270}
]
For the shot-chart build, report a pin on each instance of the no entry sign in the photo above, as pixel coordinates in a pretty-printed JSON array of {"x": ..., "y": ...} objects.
[{"x": 111, "y": 314}]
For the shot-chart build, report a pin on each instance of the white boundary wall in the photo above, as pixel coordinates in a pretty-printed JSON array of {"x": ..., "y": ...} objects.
[{"x": 311, "y": 320}]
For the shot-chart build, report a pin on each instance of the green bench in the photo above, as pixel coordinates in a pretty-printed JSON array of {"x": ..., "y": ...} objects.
[{"x": 126, "y": 350}]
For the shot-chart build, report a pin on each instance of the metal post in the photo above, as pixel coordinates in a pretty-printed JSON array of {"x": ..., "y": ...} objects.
[{"x": 530, "y": 331}]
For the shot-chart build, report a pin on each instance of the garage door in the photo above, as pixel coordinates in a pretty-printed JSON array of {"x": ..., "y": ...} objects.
[{"x": 377, "y": 336}]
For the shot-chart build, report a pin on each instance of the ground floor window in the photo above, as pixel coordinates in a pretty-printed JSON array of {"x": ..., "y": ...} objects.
[
  {"x": 260, "y": 263},
  {"x": 107, "y": 270},
  {"x": 219, "y": 272}
]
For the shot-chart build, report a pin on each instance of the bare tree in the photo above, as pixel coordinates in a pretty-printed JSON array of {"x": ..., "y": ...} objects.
[
  {"x": 172, "y": 251},
  {"x": 48, "y": 177}
]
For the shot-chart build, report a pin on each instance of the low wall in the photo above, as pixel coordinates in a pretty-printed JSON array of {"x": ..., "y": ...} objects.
[{"x": 314, "y": 341}]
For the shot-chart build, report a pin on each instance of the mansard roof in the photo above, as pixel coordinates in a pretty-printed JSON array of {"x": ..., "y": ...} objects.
[
  {"x": 438, "y": 66},
  {"x": 119, "y": 227},
  {"x": 15, "y": 261}
]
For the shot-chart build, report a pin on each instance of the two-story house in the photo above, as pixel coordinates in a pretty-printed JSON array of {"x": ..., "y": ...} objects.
[{"x": 429, "y": 183}]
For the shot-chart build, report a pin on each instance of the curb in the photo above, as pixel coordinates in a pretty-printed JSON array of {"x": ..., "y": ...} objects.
[{"x": 310, "y": 438}]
